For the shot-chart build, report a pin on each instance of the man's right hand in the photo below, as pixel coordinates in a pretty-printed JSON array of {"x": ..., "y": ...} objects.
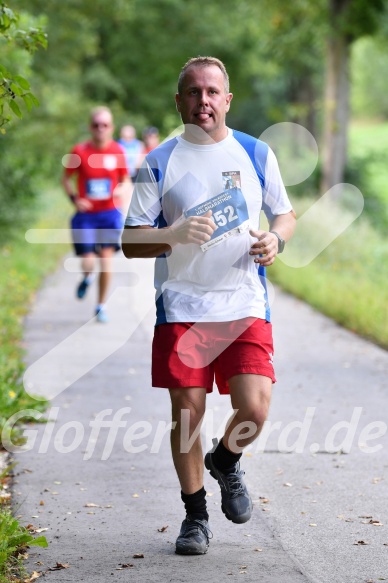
[
  {"x": 193, "y": 229},
  {"x": 83, "y": 205}
]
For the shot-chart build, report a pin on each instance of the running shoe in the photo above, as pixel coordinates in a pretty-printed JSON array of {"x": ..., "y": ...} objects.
[
  {"x": 236, "y": 502},
  {"x": 194, "y": 537},
  {"x": 102, "y": 316},
  {"x": 82, "y": 288}
]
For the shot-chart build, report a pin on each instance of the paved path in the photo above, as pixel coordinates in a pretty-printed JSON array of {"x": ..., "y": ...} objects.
[{"x": 106, "y": 496}]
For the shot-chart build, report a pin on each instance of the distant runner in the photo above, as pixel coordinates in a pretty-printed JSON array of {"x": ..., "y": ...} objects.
[{"x": 101, "y": 171}]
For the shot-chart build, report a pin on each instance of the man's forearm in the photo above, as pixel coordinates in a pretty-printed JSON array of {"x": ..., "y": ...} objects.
[
  {"x": 146, "y": 242},
  {"x": 284, "y": 225}
]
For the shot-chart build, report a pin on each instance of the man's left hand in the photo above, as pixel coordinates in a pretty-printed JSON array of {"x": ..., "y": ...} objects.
[{"x": 265, "y": 249}]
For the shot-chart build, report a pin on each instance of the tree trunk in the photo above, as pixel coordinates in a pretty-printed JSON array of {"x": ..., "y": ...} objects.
[{"x": 336, "y": 107}]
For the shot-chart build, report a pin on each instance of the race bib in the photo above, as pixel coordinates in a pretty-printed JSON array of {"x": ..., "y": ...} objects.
[
  {"x": 229, "y": 212},
  {"x": 98, "y": 188}
]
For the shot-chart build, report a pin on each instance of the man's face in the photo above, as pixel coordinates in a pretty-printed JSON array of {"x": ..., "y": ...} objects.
[
  {"x": 203, "y": 101},
  {"x": 101, "y": 127}
]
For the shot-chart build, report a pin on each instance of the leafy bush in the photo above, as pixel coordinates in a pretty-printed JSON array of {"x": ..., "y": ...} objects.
[{"x": 19, "y": 186}]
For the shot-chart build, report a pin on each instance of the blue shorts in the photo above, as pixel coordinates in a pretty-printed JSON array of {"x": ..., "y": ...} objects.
[{"x": 93, "y": 231}]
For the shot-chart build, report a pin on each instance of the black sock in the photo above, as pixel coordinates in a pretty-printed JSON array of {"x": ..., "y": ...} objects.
[
  {"x": 195, "y": 504},
  {"x": 223, "y": 459}
]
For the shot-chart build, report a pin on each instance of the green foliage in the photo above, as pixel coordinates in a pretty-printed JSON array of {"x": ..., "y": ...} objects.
[
  {"x": 19, "y": 181},
  {"x": 14, "y": 88},
  {"x": 356, "y": 18},
  {"x": 369, "y": 71},
  {"x": 14, "y": 539}
]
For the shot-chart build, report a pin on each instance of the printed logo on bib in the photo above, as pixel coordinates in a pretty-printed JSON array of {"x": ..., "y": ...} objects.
[
  {"x": 231, "y": 179},
  {"x": 230, "y": 214},
  {"x": 98, "y": 188}
]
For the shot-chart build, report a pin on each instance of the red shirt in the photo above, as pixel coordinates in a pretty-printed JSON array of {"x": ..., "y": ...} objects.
[{"x": 99, "y": 171}]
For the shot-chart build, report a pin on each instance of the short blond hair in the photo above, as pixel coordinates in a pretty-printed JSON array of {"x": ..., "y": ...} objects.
[
  {"x": 100, "y": 109},
  {"x": 203, "y": 62}
]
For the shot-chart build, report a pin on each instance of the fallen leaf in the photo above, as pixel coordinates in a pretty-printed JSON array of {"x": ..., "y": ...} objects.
[
  {"x": 138, "y": 556},
  {"x": 59, "y": 566},
  {"x": 41, "y": 503},
  {"x": 124, "y": 566},
  {"x": 163, "y": 529},
  {"x": 35, "y": 575}
]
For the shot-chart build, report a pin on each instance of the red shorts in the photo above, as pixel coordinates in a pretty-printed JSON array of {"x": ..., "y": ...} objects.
[{"x": 192, "y": 355}]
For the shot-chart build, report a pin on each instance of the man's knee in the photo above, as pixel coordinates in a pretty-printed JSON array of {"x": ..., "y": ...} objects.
[{"x": 187, "y": 407}]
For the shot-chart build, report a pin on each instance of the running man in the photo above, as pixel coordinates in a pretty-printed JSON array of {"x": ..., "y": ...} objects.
[
  {"x": 102, "y": 187},
  {"x": 213, "y": 319}
]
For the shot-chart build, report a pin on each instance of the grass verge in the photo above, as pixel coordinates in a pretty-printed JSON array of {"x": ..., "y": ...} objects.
[
  {"x": 347, "y": 281},
  {"x": 23, "y": 268}
]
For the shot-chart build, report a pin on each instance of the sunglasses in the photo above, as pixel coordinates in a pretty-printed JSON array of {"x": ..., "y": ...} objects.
[{"x": 96, "y": 125}]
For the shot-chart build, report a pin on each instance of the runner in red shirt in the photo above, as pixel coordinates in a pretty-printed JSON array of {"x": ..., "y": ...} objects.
[{"x": 102, "y": 187}]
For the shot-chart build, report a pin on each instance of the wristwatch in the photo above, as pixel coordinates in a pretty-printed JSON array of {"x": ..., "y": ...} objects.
[{"x": 281, "y": 242}]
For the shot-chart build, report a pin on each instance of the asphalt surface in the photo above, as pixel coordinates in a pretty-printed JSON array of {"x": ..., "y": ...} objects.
[{"x": 108, "y": 493}]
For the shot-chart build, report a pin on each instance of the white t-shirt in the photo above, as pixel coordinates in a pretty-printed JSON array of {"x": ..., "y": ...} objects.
[{"x": 235, "y": 178}]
